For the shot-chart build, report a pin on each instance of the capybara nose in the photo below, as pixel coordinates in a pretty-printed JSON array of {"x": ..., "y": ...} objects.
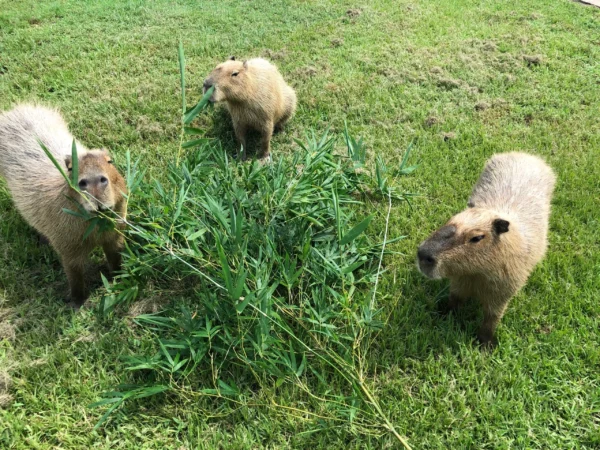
[
  {"x": 425, "y": 256},
  {"x": 207, "y": 84}
]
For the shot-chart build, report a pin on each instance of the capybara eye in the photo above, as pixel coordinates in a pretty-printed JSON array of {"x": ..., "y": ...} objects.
[
  {"x": 477, "y": 238},
  {"x": 82, "y": 184},
  {"x": 110, "y": 161},
  {"x": 234, "y": 74}
]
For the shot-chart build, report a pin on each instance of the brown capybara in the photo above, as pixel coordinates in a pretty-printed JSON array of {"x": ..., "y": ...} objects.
[
  {"x": 256, "y": 96},
  {"x": 40, "y": 192},
  {"x": 488, "y": 250}
]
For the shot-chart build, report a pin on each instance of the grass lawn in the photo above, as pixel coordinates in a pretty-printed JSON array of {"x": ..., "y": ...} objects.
[{"x": 462, "y": 79}]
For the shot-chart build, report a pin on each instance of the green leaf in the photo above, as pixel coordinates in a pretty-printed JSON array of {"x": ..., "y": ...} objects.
[
  {"x": 180, "y": 364},
  {"x": 197, "y": 234},
  {"x": 337, "y": 212},
  {"x": 356, "y": 231},
  {"x": 192, "y": 130},
  {"x": 405, "y": 157},
  {"x": 73, "y": 213},
  {"x": 225, "y": 270},
  {"x": 194, "y": 143},
  {"x": 91, "y": 227},
  {"x": 149, "y": 391},
  {"x": 239, "y": 307},
  {"x": 352, "y": 267},
  {"x": 74, "y": 164},
  {"x": 189, "y": 116},
  {"x": 227, "y": 389},
  {"x": 239, "y": 285},
  {"x": 302, "y": 366},
  {"x": 118, "y": 402},
  {"x": 166, "y": 352},
  {"x": 55, "y": 162},
  {"x": 408, "y": 170},
  {"x": 182, "y": 75},
  {"x": 105, "y": 401}
]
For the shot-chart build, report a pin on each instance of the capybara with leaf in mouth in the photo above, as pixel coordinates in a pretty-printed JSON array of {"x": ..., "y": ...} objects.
[
  {"x": 41, "y": 193},
  {"x": 256, "y": 96}
]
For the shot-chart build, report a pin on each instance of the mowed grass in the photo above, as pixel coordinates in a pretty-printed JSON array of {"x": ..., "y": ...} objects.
[{"x": 449, "y": 75}]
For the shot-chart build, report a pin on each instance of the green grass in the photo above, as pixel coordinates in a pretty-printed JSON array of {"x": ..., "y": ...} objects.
[{"x": 397, "y": 72}]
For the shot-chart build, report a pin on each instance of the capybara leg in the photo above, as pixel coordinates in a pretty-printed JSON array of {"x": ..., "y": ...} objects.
[
  {"x": 75, "y": 271},
  {"x": 286, "y": 116},
  {"x": 240, "y": 133},
  {"x": 492, "y": 313},
  {"x": 290, "y": 108},
  {"x": 112, "y": 250},
  {"x": 265, "y": 140},
  {"x": 453, "y": 303}
]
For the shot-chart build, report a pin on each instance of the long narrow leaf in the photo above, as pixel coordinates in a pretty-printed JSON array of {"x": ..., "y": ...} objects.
[
  {"x": 189, "y": 116},
  {"x": 406, "y": 156},
  {"x": 55, "y": 162},
  {"x": 182, "y": 76},
  {"x": 192, "y": 130},
  {"x": 194, "y": 143},
  {"x": 74, "y": 164},
  {"x": 116, "y": 404},
  {"x": 356, "y": 231}
]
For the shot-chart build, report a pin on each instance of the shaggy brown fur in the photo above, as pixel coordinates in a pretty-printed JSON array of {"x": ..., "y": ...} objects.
[
  {"x": 256, "y": 96},
  {"x": 40, "y": 192},
  {"x": 489, "y": 250}
]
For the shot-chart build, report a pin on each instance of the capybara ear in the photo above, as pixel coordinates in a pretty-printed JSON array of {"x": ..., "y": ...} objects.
[
  {"x": 500, "y": 226},
  {"x": 232, "y": 58},
  {"x": 68, "y": 162},
  {"x": 107, "y": 156}
]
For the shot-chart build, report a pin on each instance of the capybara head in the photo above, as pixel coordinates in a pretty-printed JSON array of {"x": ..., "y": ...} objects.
[
  {"x": 229, "y": 79},
  {"x": 472, "y": 242},
  {"x": 99, "y": 181}
]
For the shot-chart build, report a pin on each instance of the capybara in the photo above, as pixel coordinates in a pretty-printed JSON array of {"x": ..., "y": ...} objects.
[
  {"x": 256, "y": 96},
  {"x": 488, "y": 250},
  {"x": 40, "y": 192}
]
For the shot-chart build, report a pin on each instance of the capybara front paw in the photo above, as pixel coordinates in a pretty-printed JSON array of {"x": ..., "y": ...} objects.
[
  {"x": 265, "y": 160},
  {"x": 74, "y": 304},
  {"x": 487, "y": 341}
]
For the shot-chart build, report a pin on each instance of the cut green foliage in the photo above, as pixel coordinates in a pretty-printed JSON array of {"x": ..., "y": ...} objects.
[
  {"x": 281, "y": 279},
  {"x": 286, "y": 277}
]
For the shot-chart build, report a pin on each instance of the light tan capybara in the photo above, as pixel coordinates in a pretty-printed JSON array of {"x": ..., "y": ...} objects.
[
  {"x": 256, "y": 96},
  {"x": 488, "y": 250},
  {"x": 40, "y": 192}
]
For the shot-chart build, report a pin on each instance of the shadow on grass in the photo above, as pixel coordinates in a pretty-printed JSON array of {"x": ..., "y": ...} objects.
[{"x": 417, "y": 328}]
